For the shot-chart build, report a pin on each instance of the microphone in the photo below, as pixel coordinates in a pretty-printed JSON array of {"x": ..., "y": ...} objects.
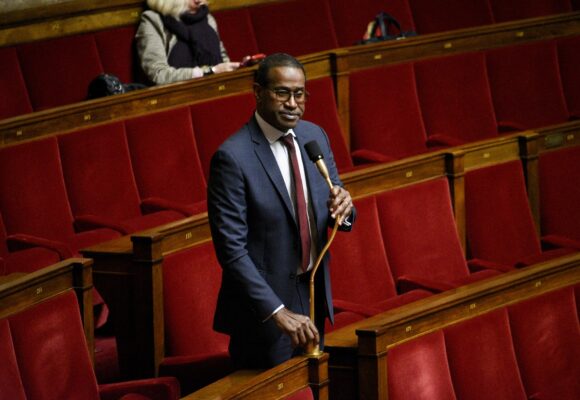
[{"x": 315, "y": 155}]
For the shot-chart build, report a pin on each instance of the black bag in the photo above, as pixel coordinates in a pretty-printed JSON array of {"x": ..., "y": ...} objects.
[
  {"x": 108, "y": 84},
  {"x": 379, "y": 29}
]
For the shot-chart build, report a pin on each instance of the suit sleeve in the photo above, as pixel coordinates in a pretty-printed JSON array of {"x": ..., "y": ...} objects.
[
  {"x": 334, "y": 177},
  {"x": 227, "y": 209}
]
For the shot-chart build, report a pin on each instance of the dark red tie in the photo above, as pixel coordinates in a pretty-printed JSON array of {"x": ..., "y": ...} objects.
[{"x": 300, "y": 202}]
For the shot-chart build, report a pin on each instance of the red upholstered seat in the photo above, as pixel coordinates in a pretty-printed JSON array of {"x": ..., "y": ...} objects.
[
  {"x": 362, "y": 283},
  {"x": 303, "y": 394},
  {"x": 236, "y": 32},
  {"x": 58, "y": 71},
  {"x": 53, "y": 358},
  {"x": 165, "y": 161},
  {"x": 418, "y": 370},
  {"x": 455, "y": 99},
  {"x": 525, "y": 86},
  {"x": 14, "y": 100},
  {"x": 25, "y": 260},
  {"x": 100, "y": 182},
  {"x": 499, "y": 222},
  {"x": 520, "y": 9},
  {"x": 320, "y": 110},
  {"x": 546, "y": 338},
  {"x": 385, "y": 117},
  {"x": 482, "y": 359},
  {"x": 33, "y": 199},
  {"x": 10, "y": 382},
  {"x": 559, "y": 174},
  {"x": 444, "y": 15},
  {"x": 195, "y": 353},
  {"x": 295, "y": 27},
  {"x": 350, "y": 20},
  {"x": 117, "y": 52},
  {"x": 421, "y": 239},
  {"x": 569, "y": 62},
  {"x": 215, "y": 120}
]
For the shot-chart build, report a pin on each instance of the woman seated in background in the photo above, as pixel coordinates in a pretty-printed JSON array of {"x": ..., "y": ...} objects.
[{"x": 178, "y": 40}]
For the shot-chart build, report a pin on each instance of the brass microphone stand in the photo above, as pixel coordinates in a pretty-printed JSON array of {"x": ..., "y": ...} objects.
[{"x": 311, "y": 349}]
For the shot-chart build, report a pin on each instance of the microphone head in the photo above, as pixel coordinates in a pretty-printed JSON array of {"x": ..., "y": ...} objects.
[{"x": 313, "y": 150}]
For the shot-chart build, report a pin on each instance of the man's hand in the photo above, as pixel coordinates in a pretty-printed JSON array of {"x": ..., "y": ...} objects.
[
  {"x": 299, "y": 327},
  {"x": 339, "y": 203}
]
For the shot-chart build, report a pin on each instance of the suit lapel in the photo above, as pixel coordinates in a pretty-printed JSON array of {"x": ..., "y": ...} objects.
[{"x": 264, "y": 154}]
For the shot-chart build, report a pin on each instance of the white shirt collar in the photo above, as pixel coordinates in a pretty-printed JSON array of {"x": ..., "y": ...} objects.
[{"x": 272, "y": 134}]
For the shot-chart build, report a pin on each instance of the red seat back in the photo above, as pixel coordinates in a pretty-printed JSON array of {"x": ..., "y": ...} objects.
[
  {"x": 546, "y": 335},
  {"x": 445, "y": 15},
  {"x": 321, "y": 109},
  {"x": 33, "y": 198},
  {"x": 455, "y": 97},
  {"x": 420, "y": 233},
  {"x": 237, "y": 33},
  {"x": 482, "y": 359},
  {"x": 58, "y": 71},
  {"x": 359, "y": 269},
  {"x": 499, "y": 222},
  {"x": 14, "y": 100},
  {"x": 52, "y": 352},
  {"x": 10, "y": 383},
  {"x": 525, "y": 85},
  {"x": 560, "y": 192},
  {"x": 569, "y": 62},
  {"x": 215, "y": 120},
  {"x": 164, "y": 156},
  {"x": 520, "y": 9},
  {"x": 296, "y": 27},
  {"x": 350, "y": 22},
  {"x": 98, "y": 174},
  {"x": 418, "y": 370},
  {"x": 117, "y": 52},
  {"x": 384, "y": 111},
  {"x": 191, "y": 281}
]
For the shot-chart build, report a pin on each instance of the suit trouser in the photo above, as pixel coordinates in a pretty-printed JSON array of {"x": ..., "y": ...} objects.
[{"x": 248, "y": 353}]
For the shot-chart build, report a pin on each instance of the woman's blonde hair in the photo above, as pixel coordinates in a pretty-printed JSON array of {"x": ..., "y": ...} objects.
[{"x": 169, "y": 7}]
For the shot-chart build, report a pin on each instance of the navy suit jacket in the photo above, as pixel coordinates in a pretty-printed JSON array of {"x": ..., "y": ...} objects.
[{"x": 255, "y": 235}]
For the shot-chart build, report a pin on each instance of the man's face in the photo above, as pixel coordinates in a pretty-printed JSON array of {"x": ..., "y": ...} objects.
[{"x": 274, "y": 102}]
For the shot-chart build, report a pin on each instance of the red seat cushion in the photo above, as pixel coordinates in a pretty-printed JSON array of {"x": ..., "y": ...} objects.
[
  {"x": 14, "y": 100},
  {"x": 58, "y": 71},
  {"x": 445, "y": 15},
  {"x": 295, "y": 27},
  {"x": 384, "y": 112}
]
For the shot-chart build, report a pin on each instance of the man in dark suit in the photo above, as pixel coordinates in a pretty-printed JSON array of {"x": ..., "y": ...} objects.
[{"x": 258, "y": 210}]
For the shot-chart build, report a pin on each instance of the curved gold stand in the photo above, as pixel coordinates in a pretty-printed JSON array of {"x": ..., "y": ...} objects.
[{"x": 312, "y": 350}]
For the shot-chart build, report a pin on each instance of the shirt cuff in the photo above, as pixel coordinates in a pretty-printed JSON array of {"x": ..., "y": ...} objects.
[{"x": 281, "y": 306}]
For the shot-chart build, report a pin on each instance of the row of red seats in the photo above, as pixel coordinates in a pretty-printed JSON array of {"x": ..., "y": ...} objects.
[
  {"x": 525, "y": 351},
  {"x": 447, "y": 101},
  {"x": 70, "y": 63}
]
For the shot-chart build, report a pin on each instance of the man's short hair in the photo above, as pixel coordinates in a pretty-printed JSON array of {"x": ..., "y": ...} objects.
[{"x": 273, "y": 61}]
